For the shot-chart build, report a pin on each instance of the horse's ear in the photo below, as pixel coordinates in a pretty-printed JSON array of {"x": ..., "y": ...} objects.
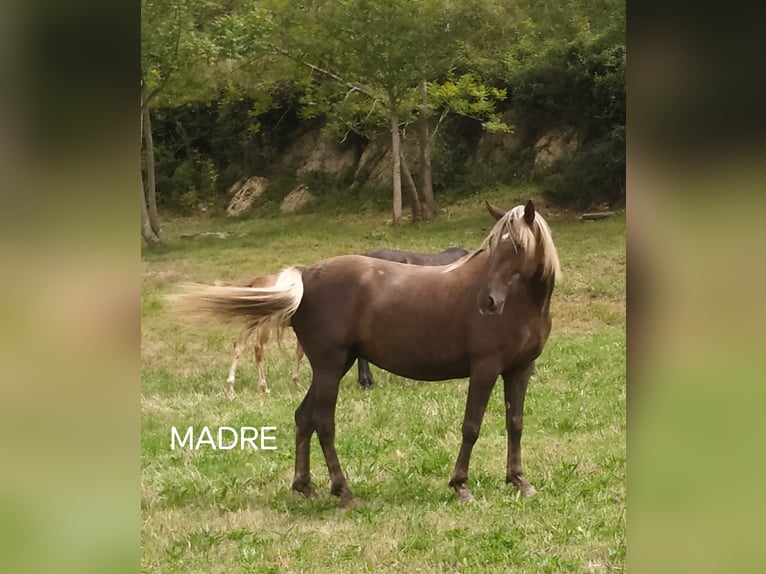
[
  {"x": 495, "y": 212},
  {"x": 529, "y": 212}
]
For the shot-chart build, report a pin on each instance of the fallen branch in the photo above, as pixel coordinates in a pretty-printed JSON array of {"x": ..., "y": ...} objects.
[
  {"x": 597, "y": 215},
  {"x": 218, "y": 234}
]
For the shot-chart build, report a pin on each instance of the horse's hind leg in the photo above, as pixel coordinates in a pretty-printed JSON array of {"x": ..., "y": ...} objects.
[
  {"x": 324, "y": 418},
  {"x": 304, "y": 428},
  {"x": 479, "y": 390},
  {"x": 317, "y": 412},
  {"x": 515, "y": 388},
  {"x": 263, "y": 337},
  {"x": 365, "y": 375},
  {"x": 239, "y": 344}
]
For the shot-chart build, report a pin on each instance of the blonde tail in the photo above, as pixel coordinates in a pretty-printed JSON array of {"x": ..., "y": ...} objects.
[{"x": 258, "y": 306}]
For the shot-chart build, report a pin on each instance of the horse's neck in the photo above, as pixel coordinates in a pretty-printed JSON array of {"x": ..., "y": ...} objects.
[{"x": 541, "y": 289}]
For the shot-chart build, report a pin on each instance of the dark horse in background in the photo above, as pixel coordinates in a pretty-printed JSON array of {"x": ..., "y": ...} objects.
[
  {"x": 263, "y": 333},
  {"x": 484, "y": 316}
]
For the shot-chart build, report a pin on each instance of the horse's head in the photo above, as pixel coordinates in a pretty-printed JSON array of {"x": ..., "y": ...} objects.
[{"x": 518, "y": 245}]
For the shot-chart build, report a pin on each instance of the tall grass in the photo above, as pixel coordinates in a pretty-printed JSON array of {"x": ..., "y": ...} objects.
[{"x": 233, "y": 511}]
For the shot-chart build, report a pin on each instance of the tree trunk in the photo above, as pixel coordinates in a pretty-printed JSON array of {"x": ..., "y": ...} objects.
[
  {"x": 426, "y": 188},
  {"x": 151, "y": 187},
  {"x": 412, "y": 190},
  {"x": 151, "y": 237},
  {"x": 396, "y": 160}
]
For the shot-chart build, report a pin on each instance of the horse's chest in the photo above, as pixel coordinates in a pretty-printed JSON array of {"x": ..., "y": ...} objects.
[{"x": 520, "y": 341}]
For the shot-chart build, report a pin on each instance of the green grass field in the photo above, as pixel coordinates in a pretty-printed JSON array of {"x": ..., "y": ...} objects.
[{"x": 233, "y": 511}]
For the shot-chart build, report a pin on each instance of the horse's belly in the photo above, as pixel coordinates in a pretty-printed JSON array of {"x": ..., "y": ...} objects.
[
  {"x": 417, "y": 349},
  {"x": 423, "y": 369}
]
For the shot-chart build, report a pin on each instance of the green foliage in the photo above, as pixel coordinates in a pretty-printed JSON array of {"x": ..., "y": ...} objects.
[
  {"x": 344, "y": 111},
  {"x": 468, "y": 97},
  {"x": 580, "y": 84},
  {"x": 193, "y": 183},
  {"x": 177, "y": 51},
  {"x": 240, "y": 81},
  {"x": 230, "y": 137},
  {"x": 452, "y": 147},
  {"x": 569, "y": 71},
  {"x": 592, "y": 176}
]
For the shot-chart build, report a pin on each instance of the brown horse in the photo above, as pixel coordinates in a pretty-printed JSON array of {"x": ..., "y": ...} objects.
[
  {"x": 483, "y": 316},
  {"x": 263, "y": 334}
]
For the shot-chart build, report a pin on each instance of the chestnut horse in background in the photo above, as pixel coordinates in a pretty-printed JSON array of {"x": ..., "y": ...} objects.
[
  {"x": 263, "y": 334},
  {"x": 484, "y": 316}
]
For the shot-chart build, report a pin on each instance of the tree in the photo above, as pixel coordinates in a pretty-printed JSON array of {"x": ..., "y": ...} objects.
[
  {"x": 177, "y": 51},
  {"x": 381, "y": 57},
  {"x": 148, "y": 232}
]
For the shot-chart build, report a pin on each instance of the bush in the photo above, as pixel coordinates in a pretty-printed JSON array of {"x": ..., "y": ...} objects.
[
  {"x": 194, "y": 181},
  {"x": 592, "y": 176},
  {"x": 580, "y": 84}
]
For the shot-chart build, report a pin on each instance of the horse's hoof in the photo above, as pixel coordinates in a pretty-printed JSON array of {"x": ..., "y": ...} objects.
[
  {"x": 528, "y": 491},
  {"x": 305, "y": 489},
  {"x": 366, "y": 383},
  {"x": 350, "y": 502},
  {"x": 463, "y": 494}
]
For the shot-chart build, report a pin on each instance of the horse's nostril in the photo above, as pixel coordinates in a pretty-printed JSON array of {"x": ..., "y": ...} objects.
[{"x": 490, "y": 303}]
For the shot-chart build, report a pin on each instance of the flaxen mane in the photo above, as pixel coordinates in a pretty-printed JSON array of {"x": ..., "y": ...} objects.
[{"x": 513, "y": 227}]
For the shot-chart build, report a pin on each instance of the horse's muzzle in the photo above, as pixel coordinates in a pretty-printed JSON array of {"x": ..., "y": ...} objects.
[{"x": 491, "y": 305}]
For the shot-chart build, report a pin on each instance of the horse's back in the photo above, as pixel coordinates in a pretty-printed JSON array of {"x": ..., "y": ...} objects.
[{"x": 352, "y": 286}]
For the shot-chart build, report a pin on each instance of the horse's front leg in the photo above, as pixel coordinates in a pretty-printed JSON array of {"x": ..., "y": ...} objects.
[
  {"x": 260, "y": 346},
  {"x": 479, "y": 389},
  {"x": 515, "y": 389},
  {"x": 264, "y": 334}
]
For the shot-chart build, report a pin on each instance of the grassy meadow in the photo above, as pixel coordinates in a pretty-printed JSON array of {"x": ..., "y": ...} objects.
[{"x": 206, "y": 511}]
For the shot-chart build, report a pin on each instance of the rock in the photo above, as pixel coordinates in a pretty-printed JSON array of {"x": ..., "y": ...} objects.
[
  {"x": 296, "y": 199},
  {"x": 375, "y": 166},
  {"x": 314, "y": 153},
  {"x": 244, "y": 193},
  {"x": 370, "y": 162},
  {"x": 554, "y": 145},
  {"x": 495, "y": 150}
]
